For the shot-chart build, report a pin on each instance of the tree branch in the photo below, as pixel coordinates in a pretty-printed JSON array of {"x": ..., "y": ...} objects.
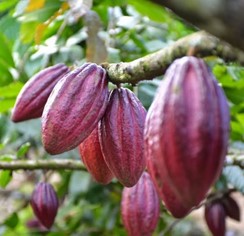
[
  {"x": 52, "y": 164},
  {"x": 222, "y": 18},
  {"x": 234, "y": 157},
  {"x": 155, "y": 64}
]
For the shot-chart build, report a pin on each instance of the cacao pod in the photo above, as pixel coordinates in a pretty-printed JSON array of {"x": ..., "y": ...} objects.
[
  {"x": 231, "y": 208},
  {"x": 44, "y": 203},
  {"x": 170, "y": 200},
  {"x": 34, "y": 94},
  {"x": 215, "y": 218},
  {"x": 187, "y": 130},
  {"x": 121, "y": 136},
  {"x": 73, "y": 109},
  {"x": 92, "y": 157},
  {"x": 140, "y": 207}
]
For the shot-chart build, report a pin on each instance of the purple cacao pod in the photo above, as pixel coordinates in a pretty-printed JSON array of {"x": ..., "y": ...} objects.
[
  {"x": 121, "y": 136},
  {"x": 73, "y": 109},
  {"x": 215, "y": 218},
  {"x": 187, "y": 129},
  {"x": 140, "y": 207},
  {"x": 44, "y": 202},
  {"x": 34, "y": 94},
  {"x": 231, "y": 208},
  {"x": 92, "y": 157}
]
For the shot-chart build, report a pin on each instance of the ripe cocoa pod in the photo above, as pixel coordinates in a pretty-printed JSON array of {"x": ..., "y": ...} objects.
[
  {"x": 44, "y": 203},
  {"x": 140, "y": 207},
  {"x": 92, "y": 157},
  {"x": 187, "y": 129},
  {"x": 34, "y": 94},
  {"x": 121, "y": 136},
  {"x": 215, "y": 218},
  {"x": 170, "y": 200},
  {"x": 73, "y": 109},
  {"x": 231, "y": 208}
]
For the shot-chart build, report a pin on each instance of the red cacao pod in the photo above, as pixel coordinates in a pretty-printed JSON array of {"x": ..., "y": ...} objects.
[
  {"x": 121, "y": 136},
  {"x": 140, "y": 207},
  {"x": 215, "y": 218},
  {"x": 187, "y": 130},
  {"x": 170, "y": 199},
  {"x": 44, "y": 203},
  {"x": 231, "y": 208},
  {"x": 92, "y": 157},
  {"x": 34, "y": 94},
  {"x": 73, "y": 109}
]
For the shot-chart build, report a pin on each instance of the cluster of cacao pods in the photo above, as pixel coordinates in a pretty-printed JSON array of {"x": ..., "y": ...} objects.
[
  {"x": 77, "y": 109},
  {"x": 182, "y": 140},
  {"x": 216, "y": 212},
  {"x": 44, "y": 203}
]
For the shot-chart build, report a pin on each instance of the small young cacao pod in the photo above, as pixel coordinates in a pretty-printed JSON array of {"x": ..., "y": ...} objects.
[
  {"x": 92, "y": 157},
  {"x": 44, "y": 202},
  {"x": 121, "y": 136},
  {"x": 34, "y": 94},
  {"x": 140, "y": 207},
  {"x": 73, "y": 109},
  {"x": 215, "y": 218},
  {"x": 187, "y": 129},
  {"x": 231, "y": 208}
]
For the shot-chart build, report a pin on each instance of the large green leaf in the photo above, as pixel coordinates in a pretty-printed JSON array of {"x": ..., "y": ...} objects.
[
  {"x": 7, "y": 4},
  {"x": 147, "y": 8},
  {"x": 5, "y": 75},
  {"x": 8, "y": 95},
  {"x": 5, "y": 52},
  {"x": 9, "y": 27}
]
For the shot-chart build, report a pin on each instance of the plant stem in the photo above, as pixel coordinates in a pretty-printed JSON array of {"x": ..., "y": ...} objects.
[{"x": 201, "y": 44}]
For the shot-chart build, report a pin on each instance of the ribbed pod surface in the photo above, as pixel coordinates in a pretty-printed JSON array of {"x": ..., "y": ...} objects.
[
  {"x": 186, "y": 130},
  {"x": 121, "y": 136},
  {"x": 75, "y": 106},
  {"x": 34, "y": 94},
  {"x": 92, "y": 157},
  {"x": 140, "y": 207},
  {"x": 44, "y": 202}
]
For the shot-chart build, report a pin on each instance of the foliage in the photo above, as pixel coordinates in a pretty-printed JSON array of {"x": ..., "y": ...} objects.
[{"x": 36, "y": 34}]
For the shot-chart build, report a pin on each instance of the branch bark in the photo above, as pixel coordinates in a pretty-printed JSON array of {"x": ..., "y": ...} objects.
[
  {"x": 155, "y": 64},
  {"x": 222, "y": 18},
  {"x": 233, "y": 158},
  {"x": 54, "y": 164}
]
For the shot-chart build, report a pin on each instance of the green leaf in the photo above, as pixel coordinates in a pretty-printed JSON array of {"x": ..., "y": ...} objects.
[
  {"x": 43, "y": 14},
  {"x": 11, "y": 90},
  {"x": 235, "y": 95},
  {"x": 7, "y": 157},
  {"x": 5, "y": 177},
  {"x": 5, "y": 52},
  {"x": 5, "y": 76},
  {"x": 6, "y": 4},
  {"x": 12, "y": 221},
  {"x": 9, "y": 26},
  {"x": 6, "y": 104},
  {"x": 27, "y": 30},
  {"x": 235, "y": 176},
  {"x": 23, "y": 149},
  {"x": 149, "y": 9}
]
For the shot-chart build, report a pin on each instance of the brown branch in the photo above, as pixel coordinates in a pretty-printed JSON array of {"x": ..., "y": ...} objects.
[
  {"x": 53, "y": 164},
  {"x": 155, "y": 64},
  {"x": 234, "y": 157}
]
